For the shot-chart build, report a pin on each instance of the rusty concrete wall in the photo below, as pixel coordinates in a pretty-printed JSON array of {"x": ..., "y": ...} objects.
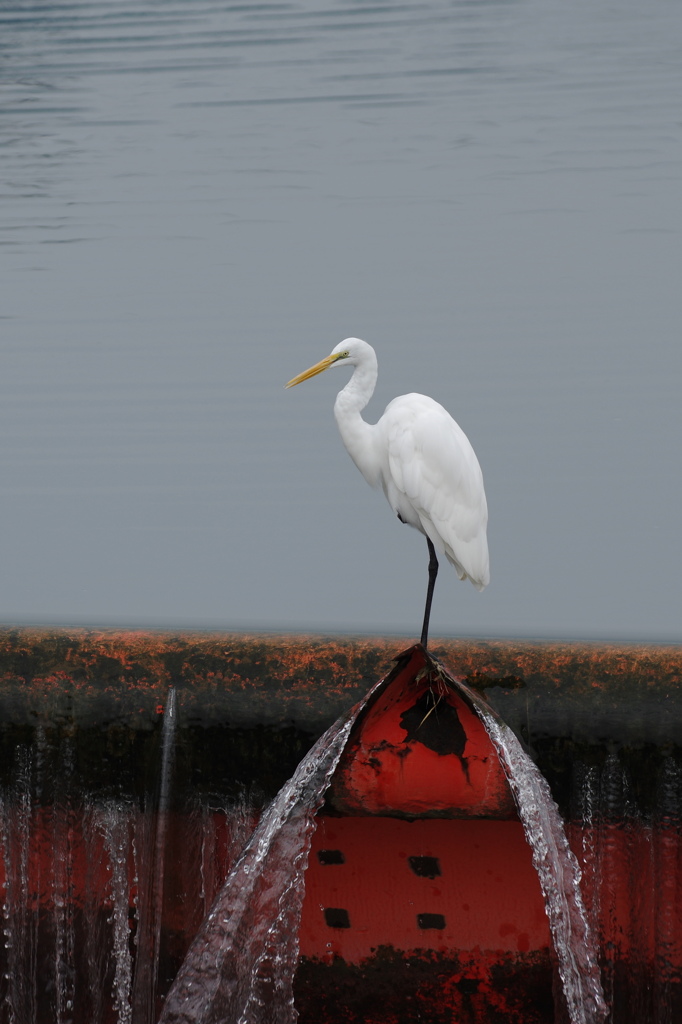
[
  {"x": 249, "y": 706},
  {"x": 88, "y": 675}
]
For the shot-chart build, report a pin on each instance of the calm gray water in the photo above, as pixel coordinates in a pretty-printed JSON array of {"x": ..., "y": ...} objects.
[{"x": 199, "y": 199}]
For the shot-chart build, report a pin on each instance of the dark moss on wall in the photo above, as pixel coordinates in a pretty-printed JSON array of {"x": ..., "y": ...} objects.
[{"x": 248, "y": 707}]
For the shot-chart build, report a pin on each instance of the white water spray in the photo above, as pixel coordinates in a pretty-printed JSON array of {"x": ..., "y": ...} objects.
[
  {"x": 113, "y": 820},
  {"x": 240, "y": 968},
  {"x": 557, "y": 870}
]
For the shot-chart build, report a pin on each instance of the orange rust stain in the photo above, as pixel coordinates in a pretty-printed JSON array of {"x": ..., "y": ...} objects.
[
  {"x": 304, "y": 657},
  {"x": 307, "y": 679}
]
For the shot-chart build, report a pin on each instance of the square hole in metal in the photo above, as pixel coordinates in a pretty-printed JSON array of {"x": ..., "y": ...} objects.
[
  {"x": 430, "y": 921},
  {"x": 336, "y": 917},
  {"x": 330, "y": 857},
  {"x": 425, "y": 867}
]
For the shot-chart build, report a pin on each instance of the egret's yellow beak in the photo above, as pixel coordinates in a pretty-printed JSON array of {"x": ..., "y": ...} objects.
[{"x": 324, "y": 364}]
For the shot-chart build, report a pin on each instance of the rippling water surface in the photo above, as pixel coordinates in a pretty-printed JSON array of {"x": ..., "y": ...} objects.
[{"x": 199, "y": 199}]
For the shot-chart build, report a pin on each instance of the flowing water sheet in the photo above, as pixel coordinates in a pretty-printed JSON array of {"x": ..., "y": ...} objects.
[
  {"x": 557, "y": 870},
  {"x": 240, "y": 968}
]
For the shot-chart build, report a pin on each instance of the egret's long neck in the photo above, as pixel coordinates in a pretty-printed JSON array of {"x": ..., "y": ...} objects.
[{"x": 357, "y": 435}]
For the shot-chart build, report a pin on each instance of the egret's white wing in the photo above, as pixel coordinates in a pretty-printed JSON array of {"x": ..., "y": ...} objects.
[{"x": 434, "y": 470}]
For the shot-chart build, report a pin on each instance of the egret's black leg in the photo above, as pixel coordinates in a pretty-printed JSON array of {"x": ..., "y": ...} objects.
[{"x": 433, "y": 572}]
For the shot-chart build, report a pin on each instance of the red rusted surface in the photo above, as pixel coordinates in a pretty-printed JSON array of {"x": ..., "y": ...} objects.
[
  {"x": 447, "y": 886},
  {"x": 632, "y": 884},
  {"x": 426, "y": 864},
  {"x": 420, "y": 751},
  {"x": 67, "y": 847}
]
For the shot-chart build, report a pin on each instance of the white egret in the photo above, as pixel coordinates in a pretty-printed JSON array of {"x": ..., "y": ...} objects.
[{"x": 423, "y": 461}]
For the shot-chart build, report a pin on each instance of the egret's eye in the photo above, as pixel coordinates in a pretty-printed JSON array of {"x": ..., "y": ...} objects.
[{"x": 344, "y": 355}]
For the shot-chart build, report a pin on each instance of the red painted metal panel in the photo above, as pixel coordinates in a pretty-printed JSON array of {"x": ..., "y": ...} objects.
[
  {"x": 441, "y": 885},
  {"x": 424, "y": 850},
  {"x": 420, "y": 751}
]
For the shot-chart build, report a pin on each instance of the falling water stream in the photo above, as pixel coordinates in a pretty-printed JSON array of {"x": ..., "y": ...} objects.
[
  {"x": 115, "y": 826},
  {"x": 240, "y": 968},
  {"x": 151, "y": 888},
  {"x": 557, "y": 869}
]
